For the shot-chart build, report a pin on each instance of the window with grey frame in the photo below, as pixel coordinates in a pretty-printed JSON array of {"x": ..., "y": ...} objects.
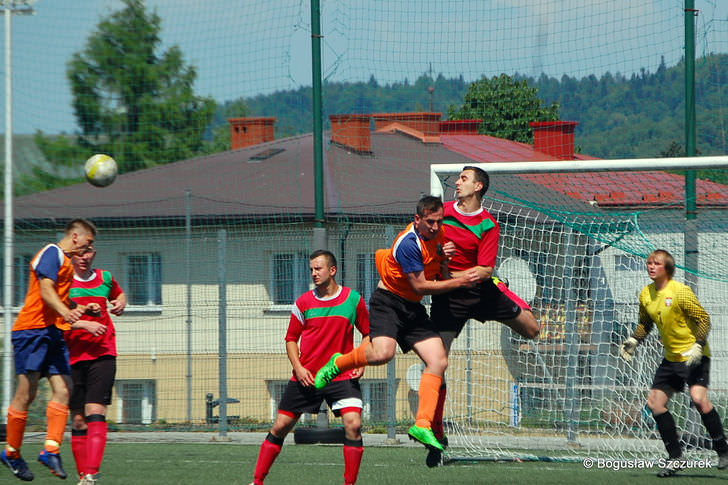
[
  {"x": 143, "y": 284},
  {"x": 137, "y": 399},
  {"x": 289, "y": 276}
]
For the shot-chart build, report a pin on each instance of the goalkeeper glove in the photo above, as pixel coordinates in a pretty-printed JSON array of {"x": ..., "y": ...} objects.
[
  {"x": 626, "y": 350},
  {"x": 694, "y": 355}
]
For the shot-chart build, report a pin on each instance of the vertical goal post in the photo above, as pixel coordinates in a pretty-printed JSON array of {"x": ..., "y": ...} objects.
[{"x": 567, "y": 393}]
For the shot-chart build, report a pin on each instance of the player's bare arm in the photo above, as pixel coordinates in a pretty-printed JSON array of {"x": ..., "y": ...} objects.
[
  {"x": 118, "y": 305},
  {"x": 50, "y": 296},
  {"x": 304, "y": 376},
  {"x": 448, "y": 250},
  {"x": 484, "y": 272},
  {"x": 94, "y": 328},
  {"x": 423, "y": 286}
]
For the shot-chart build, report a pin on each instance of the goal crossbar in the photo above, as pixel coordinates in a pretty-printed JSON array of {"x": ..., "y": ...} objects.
[{"x": 550, "y": 166}]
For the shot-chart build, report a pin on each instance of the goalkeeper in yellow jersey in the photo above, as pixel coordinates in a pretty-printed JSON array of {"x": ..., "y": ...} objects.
[{"x": 683, "y": 325}]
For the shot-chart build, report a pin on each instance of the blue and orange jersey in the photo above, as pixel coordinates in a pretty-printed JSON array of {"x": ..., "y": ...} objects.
[
  {"x": 475, "y": 235},
  {"x": 326, "y": 326},
  {"x": 99, "y": 288},
  {"x": 52, "y": 263},
  {"x": 410, "y": 253}
]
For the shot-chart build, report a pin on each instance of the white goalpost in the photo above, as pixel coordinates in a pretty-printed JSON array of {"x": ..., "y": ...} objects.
[
  {"x": 439, "y": 170},
  {"x": 574, "y": 235}
]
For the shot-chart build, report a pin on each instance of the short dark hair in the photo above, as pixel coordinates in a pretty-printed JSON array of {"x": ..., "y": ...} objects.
[
  {"x": 427, "y": 204},
  {"x": 480, "y": 176},
  {"x": 667, "y": 259},
  {"x": 330, "y": 258},
  {"x": 81, "y": 223}
]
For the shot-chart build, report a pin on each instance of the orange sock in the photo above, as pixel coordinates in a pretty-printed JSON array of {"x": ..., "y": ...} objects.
[
  {"x": 15, "y": 428},
  {"x": 57, "y": 415},
  {"x": 428, "y": 394},
  {"x": 353, "y": 360}
]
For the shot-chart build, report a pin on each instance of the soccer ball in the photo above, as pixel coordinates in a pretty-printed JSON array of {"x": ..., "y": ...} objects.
[{"x": 101, "y": 170}]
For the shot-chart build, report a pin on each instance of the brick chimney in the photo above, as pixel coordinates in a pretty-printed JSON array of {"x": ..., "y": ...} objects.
[
  {"x": 554, "y": 138},
  {"x": 460, "y": 127},
  {"x": 352, "y": 131},
  {"x": 427, "y": 123},
  {"x": 245, "y": 132}
]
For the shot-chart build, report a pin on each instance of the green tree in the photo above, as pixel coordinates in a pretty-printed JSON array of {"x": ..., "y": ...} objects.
[
  {"x": 67, "y": 158},
  {"x": 132, "y": 102},
  {"x": 506, "y": 105}
]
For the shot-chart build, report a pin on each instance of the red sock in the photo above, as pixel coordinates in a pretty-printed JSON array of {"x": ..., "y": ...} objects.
[
  {"x": 269, "y": 451},
  {"x": 437, "y": 427},
  {"x": 96, "y": 442},
  {"x": 78, "y": 447},
  {"x": 352, "y": 461},
  {"x": 15, "y": 428}
]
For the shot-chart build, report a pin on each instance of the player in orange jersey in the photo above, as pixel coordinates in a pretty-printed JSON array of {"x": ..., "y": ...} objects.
[
  {"x": 39, "y": 349},
  {"x": 475, "y": 234},
  {"x": 416, "y": 265}
]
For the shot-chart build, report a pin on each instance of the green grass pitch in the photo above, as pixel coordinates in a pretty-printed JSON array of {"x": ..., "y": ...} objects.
[{"x": 228, "y": 463}]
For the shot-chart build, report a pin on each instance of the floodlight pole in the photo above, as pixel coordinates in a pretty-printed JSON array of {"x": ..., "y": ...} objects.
[
  {"x": 8, "y": 258},
  {"x": 9, "y": 7},
  {"x": 318, "y": 163},
  {"x": 320, "y": 238},
  {"x": 690, "y": 233}
]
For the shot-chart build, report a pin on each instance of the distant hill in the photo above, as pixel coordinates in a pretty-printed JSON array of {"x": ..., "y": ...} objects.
[
  {"x": 619, "y": 117},
  {"x": 643, "y": 115}
]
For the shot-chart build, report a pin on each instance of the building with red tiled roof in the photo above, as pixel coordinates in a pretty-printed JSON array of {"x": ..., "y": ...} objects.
[
  {"x": 375, "y": 161},
  {"x": 236, "y": 228}
]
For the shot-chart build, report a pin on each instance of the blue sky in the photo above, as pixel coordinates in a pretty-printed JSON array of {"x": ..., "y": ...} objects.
[{"x": 246, "y": 47}]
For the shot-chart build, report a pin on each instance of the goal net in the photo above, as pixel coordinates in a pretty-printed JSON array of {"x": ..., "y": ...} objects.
[{"x": 574, "y": 238}]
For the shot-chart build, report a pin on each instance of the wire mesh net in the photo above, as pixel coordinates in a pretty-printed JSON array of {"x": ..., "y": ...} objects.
[{"x": 207, "y": 108}]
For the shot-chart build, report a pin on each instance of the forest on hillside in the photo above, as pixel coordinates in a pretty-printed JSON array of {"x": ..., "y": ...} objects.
[
  {"x": 637, "y": 116},
  {"x": 138, "y": 104}
]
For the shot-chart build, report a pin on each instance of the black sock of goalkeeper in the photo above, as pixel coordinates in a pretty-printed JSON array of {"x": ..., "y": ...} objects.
[
  {"x": 712, "y": 423},
  {"x": 668, "y": 432}
]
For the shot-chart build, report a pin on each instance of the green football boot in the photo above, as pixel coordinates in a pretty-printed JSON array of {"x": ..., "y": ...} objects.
[
  {"x": 327, "y": 373},
  {"x": 425, "y": 436},
  {"x": 434, "y": 457}
]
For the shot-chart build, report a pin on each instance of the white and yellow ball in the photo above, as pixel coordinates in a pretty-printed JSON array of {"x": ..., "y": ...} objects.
[{"x": 101, "y": 170}]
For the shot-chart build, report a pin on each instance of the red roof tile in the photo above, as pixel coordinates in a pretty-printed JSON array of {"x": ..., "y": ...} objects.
[{"x": 610, "y": 189}]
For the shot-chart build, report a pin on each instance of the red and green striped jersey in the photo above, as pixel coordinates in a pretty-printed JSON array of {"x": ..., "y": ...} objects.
[
  {"x": 475, "y": 235},
  {"x": 326, "y": 326},
  {"x": 99, "y": 288}
]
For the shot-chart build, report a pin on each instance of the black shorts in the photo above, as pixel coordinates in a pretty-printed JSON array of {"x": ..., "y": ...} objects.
[
  {"x": 339, "y": 395},
  {"x": 93, "y": 381},
  {"x": 403, "y": 320},
  {"x": 485, "y": 301},
  {"x": 672, "y": 376}
]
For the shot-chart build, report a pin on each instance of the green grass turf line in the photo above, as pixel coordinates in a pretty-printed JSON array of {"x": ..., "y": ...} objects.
[{"x": 229, "y": 463}]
